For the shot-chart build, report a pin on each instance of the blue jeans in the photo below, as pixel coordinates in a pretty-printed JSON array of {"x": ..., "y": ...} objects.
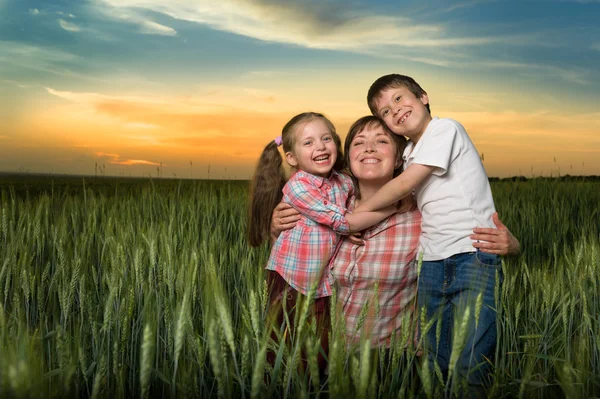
[{"x": 446, "y": 287}]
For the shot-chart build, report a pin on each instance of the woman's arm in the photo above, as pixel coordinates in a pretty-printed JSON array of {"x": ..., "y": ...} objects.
[
  {"x": 284, "y": 217},
  {"x": 496, "y": 241}
]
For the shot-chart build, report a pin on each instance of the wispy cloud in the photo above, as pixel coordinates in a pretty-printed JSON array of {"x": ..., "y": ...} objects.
[
  {"x": 134, "y": 16},
  {"x": 153, "y": 28},
  {"x": 467, "y": 4},
  {"x": 596, "y": 46},
  {"x": 18, "y": 84},
  {"x": 68, "y": 26},
  {"x": 64, "y": 14},
  {"x": 34, "y": 11},
  {"x": 21, "y": 50},
  {"x": 115, "y": 159},
  {"x": 140, "y": 125},
  {"x": 317, "y": 25},
  {"x": 43, "y": 59}
]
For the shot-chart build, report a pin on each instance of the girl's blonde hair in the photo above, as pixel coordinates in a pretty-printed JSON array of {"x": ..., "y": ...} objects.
[{"x": 269, "y": 176}]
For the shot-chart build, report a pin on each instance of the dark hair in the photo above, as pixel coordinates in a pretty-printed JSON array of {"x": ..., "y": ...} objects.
[
  {"x": 393, "y": 80},
  {"x": 269, "y": 176},
  {"x": 372, "y": 122}
]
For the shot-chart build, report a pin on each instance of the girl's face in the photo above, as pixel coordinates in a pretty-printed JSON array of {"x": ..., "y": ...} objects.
[
  {"x": 373, "y": 155},
  {"x": 314, "y": 150}
]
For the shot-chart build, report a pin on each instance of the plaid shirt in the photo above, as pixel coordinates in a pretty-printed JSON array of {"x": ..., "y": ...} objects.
[
  {"x": 381, "y": 274},
  {"x": 301, "y": 254}
]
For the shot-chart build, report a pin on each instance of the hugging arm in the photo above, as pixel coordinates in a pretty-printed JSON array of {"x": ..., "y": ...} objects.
[
  {"x": 308, "y": 200},
  {"x": 397, "y": 188},
  {"x": 498, "y": 241},
  {"x": 285, "y": 217}
]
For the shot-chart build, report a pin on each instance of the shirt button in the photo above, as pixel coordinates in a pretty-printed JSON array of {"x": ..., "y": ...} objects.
[{"x": 325, "y": 202}]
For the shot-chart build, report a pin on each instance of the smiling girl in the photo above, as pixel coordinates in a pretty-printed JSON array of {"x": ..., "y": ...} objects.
[{"x": 320, "y": 193}]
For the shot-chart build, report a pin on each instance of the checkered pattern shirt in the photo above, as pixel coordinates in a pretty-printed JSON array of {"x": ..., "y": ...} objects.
[
  {"x": 382, "y": 271},
  {"x": 300, "y": 255}
]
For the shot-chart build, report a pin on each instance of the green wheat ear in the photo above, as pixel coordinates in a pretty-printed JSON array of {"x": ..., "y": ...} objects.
[{"x": 146, "y": 358}]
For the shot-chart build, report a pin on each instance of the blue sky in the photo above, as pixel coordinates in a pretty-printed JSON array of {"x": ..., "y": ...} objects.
[{"x": 154, "y": 81}]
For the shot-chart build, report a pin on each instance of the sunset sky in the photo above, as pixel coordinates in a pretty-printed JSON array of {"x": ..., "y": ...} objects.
[{"x": 131, "y": 84}]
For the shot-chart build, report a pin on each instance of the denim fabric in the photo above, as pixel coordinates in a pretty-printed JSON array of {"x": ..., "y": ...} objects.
[{"x": 446, "y": 287}]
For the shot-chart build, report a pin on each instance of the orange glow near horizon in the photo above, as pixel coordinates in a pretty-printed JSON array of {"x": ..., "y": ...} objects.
[{"x": 87, "y": 129}]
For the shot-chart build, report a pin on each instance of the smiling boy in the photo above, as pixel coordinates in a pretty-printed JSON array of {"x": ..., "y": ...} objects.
[{"x": 443, "y": 168}]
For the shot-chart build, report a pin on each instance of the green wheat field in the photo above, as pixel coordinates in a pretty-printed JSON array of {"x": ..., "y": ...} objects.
[{"x": 119, "y": 288}]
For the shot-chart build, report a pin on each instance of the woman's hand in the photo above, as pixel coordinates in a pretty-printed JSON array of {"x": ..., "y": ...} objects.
[
  {"x": 498, "y": 241},
  {"x": 284, "y": 217}
]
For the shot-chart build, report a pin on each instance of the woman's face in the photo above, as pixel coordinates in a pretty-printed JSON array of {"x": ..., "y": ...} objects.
[{"x": 372, "y": 155}]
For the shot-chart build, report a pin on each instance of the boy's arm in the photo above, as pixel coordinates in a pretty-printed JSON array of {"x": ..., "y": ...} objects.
[
  {"x": 396, "y": 189},
  {"x": 363, "y": 220}
]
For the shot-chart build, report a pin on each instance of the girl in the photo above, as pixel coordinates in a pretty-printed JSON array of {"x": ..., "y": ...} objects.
[{"x": 320, "y": 192}]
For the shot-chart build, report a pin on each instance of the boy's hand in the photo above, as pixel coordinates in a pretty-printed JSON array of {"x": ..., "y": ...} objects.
[
  {"x": 356, "y": 238},
  {"x": 498, "y": 241},
  {"x": 284, "y": 217}
]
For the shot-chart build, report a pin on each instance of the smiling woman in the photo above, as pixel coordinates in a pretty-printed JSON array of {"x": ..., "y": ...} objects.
[{"x": 381, "y": 271}]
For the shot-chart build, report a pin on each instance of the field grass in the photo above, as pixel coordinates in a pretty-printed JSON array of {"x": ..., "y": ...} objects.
[{"x": 122, "y": 288}]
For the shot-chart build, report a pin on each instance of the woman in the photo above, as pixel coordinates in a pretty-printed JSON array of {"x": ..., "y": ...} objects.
[{"x": 377, "y": 280}]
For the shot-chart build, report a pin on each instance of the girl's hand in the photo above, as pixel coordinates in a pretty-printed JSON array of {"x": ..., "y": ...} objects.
[
  {"x": 498, "y": 241},
  {"x": 284, "y": 217}
]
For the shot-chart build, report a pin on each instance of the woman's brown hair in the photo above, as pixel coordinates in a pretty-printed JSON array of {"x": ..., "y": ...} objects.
[
  {"x": 269, "y": 176},
  {"x": 371, "y": 122}
]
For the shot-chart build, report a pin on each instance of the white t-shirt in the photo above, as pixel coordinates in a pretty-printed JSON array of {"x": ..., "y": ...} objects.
[{"x": 456, "y": 197}]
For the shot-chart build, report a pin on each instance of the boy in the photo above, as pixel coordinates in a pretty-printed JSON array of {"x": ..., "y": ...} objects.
[{"x": 444, "y": 170}]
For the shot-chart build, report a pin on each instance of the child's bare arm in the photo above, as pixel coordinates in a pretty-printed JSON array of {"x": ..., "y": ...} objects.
[
  {"x": 363, "y": 220},
  {"x": 397, "y": 188}
]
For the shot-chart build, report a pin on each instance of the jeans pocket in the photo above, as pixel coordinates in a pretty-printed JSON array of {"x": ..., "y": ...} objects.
[{"x": 488, "y": 260}]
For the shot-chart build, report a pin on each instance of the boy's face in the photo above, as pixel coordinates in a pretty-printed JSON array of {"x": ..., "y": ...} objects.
[{"x": 403, "y": 112}]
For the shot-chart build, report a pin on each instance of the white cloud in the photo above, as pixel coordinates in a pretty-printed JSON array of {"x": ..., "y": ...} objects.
[
  {"x": 467, "y": 4},
  {"x": 69, "y": 26},
  {"x": 146, "y": 25},
  {"x": 18, "y": 84},
  {"x": 153, "y": 28},
  {"x": 573, "y": 75},
  {"x": 34, "y": 11},
  {"x": 312, "y": 26},
  {"x": 596, "y": 46},
  {"x": 431, "y": 61},
  {"x": 14, "y": 50},
  {"x": 64, "y": 14}
]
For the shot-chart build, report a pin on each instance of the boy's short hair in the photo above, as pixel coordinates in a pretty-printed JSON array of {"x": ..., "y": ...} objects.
[{"x": 393, "y": 80}]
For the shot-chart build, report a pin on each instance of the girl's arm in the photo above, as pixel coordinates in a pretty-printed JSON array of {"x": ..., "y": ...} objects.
[
  {"x": 285, "y": 217},
  {"x": 397, "y": 188},
  {"x": 307, "y": 199}
]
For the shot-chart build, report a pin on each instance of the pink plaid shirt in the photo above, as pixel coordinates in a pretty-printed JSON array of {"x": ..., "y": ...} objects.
[
  {"x": 382, "y": 271},
  {"x": 301, "y": 254}
]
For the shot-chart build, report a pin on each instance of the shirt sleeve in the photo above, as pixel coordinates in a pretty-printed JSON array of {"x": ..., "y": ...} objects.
[
  {"x": 307, "y": 199},
  {"x": 437, "y": 148}
]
